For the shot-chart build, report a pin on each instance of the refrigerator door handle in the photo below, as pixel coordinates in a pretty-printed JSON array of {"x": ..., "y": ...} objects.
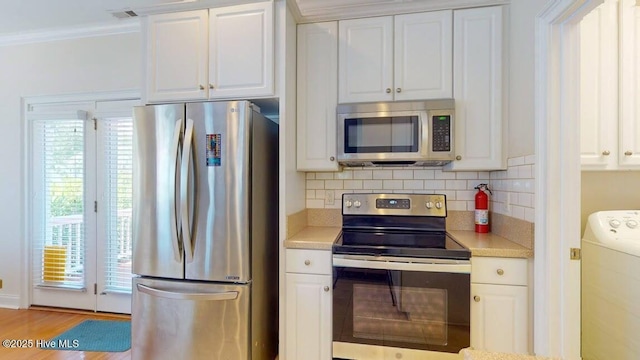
[
  {"x": 184, "y": 191},
  {"x": 175, "y": 230},
  {"x": 218, "y": 296}
]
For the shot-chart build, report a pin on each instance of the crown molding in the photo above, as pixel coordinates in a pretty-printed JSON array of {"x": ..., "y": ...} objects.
[{"x": 67, "y": 33}]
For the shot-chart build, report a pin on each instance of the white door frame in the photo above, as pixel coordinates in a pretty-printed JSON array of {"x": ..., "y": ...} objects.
[{"x": 557, "y": 221}]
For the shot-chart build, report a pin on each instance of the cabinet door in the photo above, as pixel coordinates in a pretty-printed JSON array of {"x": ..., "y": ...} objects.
[
  {"x": 477, "y": 89},
  {"x": 599, "y": 88},
  {"x": 176, "y": 50},
  {"x": 365, "y": 71},
  {"x": 499, "y": 320},
  {"x": 317, "y": 96},
  {"x": 629, "y": 150},
  {"x": 241, "y": 51},
  {"x": 423, "y": 56},
  {"x": 308, "y": 317}
]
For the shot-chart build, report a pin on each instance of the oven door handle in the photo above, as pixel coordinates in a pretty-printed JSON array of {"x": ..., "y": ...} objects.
[{"x": 459, "y": 267}]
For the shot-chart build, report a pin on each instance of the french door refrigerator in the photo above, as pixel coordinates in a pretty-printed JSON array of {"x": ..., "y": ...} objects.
[{"x": 205, "y": 230}]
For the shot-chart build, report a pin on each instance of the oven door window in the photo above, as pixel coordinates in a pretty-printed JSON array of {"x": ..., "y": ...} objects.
[
  {"x": 406, "y": 309},
  {"x": 382, "y": 134}
]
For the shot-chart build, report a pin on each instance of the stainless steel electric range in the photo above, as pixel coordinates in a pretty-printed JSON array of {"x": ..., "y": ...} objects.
[{"x": 401, "y": 285}]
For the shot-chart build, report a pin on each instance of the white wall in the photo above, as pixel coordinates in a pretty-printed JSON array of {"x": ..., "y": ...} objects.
[
  {"x": 521, "y": 32},
  {"x": 85, "y": 65}
]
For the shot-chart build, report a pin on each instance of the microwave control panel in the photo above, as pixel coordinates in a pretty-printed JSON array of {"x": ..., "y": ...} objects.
[{"x": 441, "y": 133}]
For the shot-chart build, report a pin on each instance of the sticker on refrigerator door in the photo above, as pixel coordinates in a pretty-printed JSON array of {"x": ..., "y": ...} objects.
[{"x": 213, "y": 149}]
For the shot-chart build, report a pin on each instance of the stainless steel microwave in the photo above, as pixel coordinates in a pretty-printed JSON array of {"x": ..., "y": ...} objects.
[{"x": 404, "y": 133}]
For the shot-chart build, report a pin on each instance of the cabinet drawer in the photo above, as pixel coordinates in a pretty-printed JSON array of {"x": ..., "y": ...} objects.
[
  {"x": 508, "y": 271},
  {"x": 308, "y": 261}
]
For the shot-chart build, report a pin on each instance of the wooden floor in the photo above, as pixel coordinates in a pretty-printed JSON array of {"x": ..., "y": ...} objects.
[{"x": 44, "y": 324}]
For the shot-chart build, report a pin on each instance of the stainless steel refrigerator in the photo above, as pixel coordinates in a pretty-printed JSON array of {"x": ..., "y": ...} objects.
[{"x": 205, "y": 228}]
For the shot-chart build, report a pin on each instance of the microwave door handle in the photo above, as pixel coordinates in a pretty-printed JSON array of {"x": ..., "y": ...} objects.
[
  {"x": 383, "y": 263},
  {"x": 175, "y": 230},
  {"x": 176, "y": 295},
  {"x": 184, "y": 191}
]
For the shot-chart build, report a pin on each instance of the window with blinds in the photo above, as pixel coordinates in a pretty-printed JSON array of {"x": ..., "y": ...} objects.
[
  {"x": 115, "y": 159},
  {"x": 58, "y": 178}
]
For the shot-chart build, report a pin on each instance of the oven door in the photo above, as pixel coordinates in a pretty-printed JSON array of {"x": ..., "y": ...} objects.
[{"x": 400, "y": 303}]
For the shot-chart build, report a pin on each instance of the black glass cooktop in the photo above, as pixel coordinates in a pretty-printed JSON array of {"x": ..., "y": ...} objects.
[{"x": 429, "y": 244}]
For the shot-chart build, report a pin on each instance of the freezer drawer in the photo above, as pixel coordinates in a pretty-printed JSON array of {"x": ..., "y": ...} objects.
[{"x": 189, "y": 320}]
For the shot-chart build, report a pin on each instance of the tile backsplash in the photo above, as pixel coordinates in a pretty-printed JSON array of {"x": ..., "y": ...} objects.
[{"x": 513, "y": 189}]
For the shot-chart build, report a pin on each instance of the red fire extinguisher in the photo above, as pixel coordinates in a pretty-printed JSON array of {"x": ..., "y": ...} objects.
[{"x": 482, "y": 208}]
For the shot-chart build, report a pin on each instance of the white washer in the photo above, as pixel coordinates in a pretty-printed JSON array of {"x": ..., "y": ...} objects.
[{"x": 611, "y": 286}]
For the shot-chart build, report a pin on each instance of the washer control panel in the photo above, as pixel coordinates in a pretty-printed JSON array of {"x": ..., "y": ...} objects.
[{"x": 616, "y": 224}]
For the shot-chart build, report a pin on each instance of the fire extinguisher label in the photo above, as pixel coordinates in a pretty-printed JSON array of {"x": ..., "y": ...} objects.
[{"x": 482, "y": 217}]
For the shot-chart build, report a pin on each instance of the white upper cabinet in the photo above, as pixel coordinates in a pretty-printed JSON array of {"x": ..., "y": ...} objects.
[
  {"x": 403, "y": 57},
  {"x": 218, "y": 53},
  {"x": 610, "y": 87},
  {"x": 176, "y": 47},
  {"x": 478, "y": 67},
  {"x": 317, "y": 96},
  {"x": 241, "y": 49}
]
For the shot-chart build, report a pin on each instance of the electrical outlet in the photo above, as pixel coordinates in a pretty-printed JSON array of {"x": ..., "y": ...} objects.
[{"x": 329, "y": 197}]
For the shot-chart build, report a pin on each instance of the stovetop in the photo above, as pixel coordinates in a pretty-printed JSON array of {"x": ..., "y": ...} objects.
[{"x": 407, "y": 225}]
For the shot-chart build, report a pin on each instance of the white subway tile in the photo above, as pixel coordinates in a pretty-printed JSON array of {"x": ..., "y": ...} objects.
[
  {"x": 319, "y": 194},
  {"x": 392, "y": 184},
  {"x": 344, "y": 175},
  {"x": 530, "y": 215},
  {"x": 434, "y": 184},
  {"x": 335, "y": 205},
  {"x": 525, "y": 172},
  {"x": 471, "y": 184},
  {"x": 456, "y": 184},
  {"x": 413, "y": 184},
  {"x": 529, "y": 186},
  {"x": 439, "y": 174},
  {"x": 403, "y": 174},
  {"x": 372, "y": 184},
  {"x": 363, "y": 174},
  {"x": 310, "y": 194},
  {"x": 315, "y": 203},
  {"x": 517, "y": 212},
  {"x": 315, "y": 184},
  {"x": 486, "y": 175},
  {"x": 467, "y": 175},
  {"x": 471, "y": 205},
  {"x": 525, "y": 199},
  {"x": 515, "y": 161},
  {"x": 423, "y": 174},
  {"x": 465, "y": 195},
  {"x": 517, "y": 185},
  {"x": 512, "y": 172},
  {"x": 450, "y": 194},
  {"x": 454, "y": 205},
  {"x": 353, "y": 184},
  {"x": 339, "y": 193},
  {"x": 324, "y": 175},
  {"x": 310, "y": 176},
  {"x": 530, "y": 159},
  {"x": 334, "y": 184},
  {"x": 382, "y": 174}
]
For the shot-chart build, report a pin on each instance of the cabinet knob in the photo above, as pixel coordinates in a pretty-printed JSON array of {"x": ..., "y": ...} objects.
[
  {"x": 500, "y": 272},
  {"x": 388, "y": 90},
  {"x": 628, "y": 153},
  {"x": 606, "y": 153},
  {"x": 201, "y": 87},
  {"x": 476, "y": 298},
  {"x": 458, "y": 157},
  {"x": 332, "y": 158},
  {"x": 307, "y": 262},
  {"x": 210, "y": 86},
  {"x": 398, "y": 90},
  {"x": 326, "y": 289}
]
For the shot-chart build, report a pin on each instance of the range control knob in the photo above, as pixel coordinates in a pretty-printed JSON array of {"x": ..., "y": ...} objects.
[
  {"x": 438, "y": 205},
  {"x": 614, "y": 223},
  {"x": 347, "y": 203},
  {"x": 357, "y": 203},
  {"x": 632, "y": 224},
  {"x": 428, "y": 204}
]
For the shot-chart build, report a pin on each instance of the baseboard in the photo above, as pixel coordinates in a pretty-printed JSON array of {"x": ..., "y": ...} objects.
[
  {"x": 10, "y": 301},
  {"x": 80, "y": 312}
]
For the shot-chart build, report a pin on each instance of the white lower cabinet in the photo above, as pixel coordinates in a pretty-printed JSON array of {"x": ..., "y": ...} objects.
[
  {"x": 499, "y": 305},
  {"x": 308, "y": 305}
]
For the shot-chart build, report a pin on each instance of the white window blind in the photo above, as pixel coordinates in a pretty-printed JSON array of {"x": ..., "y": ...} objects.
[
  {"x": 115, "y": 158},
  {"x": 58, "y": 160}
]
